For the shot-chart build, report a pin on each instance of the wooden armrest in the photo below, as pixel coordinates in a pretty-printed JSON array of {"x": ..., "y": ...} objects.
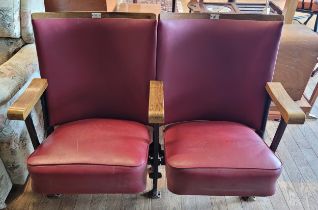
[
  {"x": 156, "y": 103},
  {"x": 22, "y": 107},
  {"x": 290, "y": 111}
]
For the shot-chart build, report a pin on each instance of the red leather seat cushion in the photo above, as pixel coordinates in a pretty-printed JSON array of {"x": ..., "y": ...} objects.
[
  {"x": 219, "y": 158},
  {"x": 92, "y": 156}
]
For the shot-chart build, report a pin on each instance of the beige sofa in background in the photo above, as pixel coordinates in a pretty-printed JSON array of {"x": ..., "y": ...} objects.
[{"x": 18, "y": 64}]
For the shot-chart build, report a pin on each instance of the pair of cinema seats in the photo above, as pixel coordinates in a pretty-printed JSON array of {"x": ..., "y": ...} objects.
[{"x": 107, "y": 81}]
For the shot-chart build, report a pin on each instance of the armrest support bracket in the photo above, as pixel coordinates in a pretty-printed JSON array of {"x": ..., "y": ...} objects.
[
  {"x": 278, "y": 135},
  {"x": 155, "y": 117},
  {"x": 32, "y": 132}
]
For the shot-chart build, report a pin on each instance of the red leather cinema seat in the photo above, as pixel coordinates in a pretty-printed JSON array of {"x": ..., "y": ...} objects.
[
  {"x": 215, "y": 71},
  {"x": 98, "y": 73},
  {"x": 219, "y": 158}
]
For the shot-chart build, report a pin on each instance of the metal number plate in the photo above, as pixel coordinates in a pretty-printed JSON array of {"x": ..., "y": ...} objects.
[
  {"x": 96, "y": 15},
  {"x": 214, "y": 16}
]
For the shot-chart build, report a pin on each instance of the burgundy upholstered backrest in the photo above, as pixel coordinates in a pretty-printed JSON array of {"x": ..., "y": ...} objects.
[
  {"x": 96, "y": 68},
  {"x": 216, "y": 69}
]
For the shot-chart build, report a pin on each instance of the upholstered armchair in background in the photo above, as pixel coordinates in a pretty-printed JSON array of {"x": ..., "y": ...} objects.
[
  {"x": 18, "y": 64},
  {"x": 75, "y": 5}
]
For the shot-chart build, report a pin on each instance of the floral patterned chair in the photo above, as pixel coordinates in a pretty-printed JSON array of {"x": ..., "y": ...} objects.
[{"x": 18, "y": 64}]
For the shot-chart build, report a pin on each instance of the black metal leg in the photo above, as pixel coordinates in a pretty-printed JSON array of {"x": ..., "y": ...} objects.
[
  {"x": 173, "y": 5},
  {"x": 316, "y": 24},
  {"x": 54, "y": 196},
  {"x": 314, "y": 72},
  {"x": 278, "y": 135},
  {"x": 308, "y": 19},
  {"x": 155, "y": 175},
  {"x": 150, "y": 154},
  {"x": 248, "y": 198},
  {"x": 32, "y": 132}
]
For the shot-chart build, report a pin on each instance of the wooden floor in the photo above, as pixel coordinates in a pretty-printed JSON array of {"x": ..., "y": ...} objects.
[{"x": 297, "y": 186}]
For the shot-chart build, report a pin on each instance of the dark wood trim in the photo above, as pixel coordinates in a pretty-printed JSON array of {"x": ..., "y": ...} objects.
[
  {"x": 75, "y": 5},
  {"x": 104, "y": 14},
  {"x": 275, "y": 7},
  {"x": 234, "y": 16}
]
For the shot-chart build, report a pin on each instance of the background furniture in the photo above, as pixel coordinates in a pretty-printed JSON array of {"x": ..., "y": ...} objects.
[
  {"x": 75, "y": 5},
  {"x": 296, "y": 60},
  {"x": 294, "y": 66},
  {"x": 18, "y": 64},
  {"x": 5, "y": 184},
  {"x": 237, "y": 8},
  {"x": 79, "y": 5},
  {"x": 138, "y": 8},
  {"x": 289, "y": 9},
  {"x": 310, "y": 7}
]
